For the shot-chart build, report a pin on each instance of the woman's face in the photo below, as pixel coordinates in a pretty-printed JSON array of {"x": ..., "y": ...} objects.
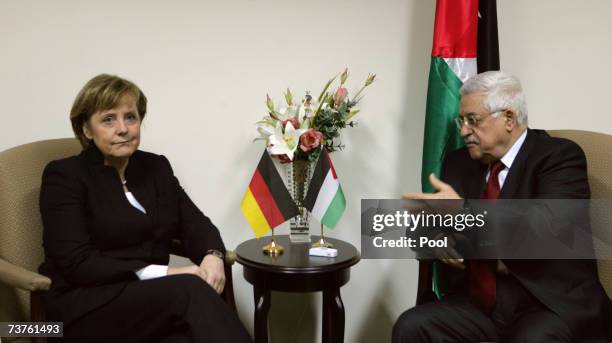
[{"x": 116, "y": 132}]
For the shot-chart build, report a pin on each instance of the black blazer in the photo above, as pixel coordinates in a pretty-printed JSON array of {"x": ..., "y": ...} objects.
[
  {"x": 545, "y": 168},
  {"x": 94, "y": 239}
]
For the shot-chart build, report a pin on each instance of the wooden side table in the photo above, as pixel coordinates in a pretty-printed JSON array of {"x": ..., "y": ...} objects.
[{"x": 296, "y": 271}]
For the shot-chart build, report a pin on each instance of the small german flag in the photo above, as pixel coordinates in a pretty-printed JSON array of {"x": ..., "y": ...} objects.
[{"x": 267, "y": 203}]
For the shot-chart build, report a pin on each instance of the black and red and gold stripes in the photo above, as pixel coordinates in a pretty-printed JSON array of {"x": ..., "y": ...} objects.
[{"x": 267, "y": 203}]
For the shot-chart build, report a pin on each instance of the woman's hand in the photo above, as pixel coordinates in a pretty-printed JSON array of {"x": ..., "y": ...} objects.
[
  {"x": 210, "y": 270},
  {"x": 213, "y": 272}
]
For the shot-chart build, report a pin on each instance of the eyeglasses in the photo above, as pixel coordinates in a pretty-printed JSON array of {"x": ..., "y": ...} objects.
[{"x": 472, "y": 120}]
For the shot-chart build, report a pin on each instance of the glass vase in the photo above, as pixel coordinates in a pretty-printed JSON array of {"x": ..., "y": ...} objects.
[{"x": 299, "y": 173}]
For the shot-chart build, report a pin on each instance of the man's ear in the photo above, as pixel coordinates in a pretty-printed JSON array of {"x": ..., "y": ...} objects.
[{"x": 510, "y": 119}]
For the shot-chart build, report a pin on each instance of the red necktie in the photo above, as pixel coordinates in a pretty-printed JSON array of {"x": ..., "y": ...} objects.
[{"x": 482, "y": 273}]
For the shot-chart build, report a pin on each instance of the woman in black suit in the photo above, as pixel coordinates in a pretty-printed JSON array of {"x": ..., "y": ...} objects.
[{"x": 110, "y": 214}]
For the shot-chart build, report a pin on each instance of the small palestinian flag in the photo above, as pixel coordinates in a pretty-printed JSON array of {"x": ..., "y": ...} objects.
[
  {"x": 325, "y": 199},
  {"x": 267, "y": 203}
]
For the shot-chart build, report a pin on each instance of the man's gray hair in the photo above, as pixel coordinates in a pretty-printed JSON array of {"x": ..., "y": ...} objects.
[{"x": 502, "y": 91}]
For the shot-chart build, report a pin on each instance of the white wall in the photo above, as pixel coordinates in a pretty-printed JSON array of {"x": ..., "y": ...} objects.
[
  {"x": 206, "y": 67},
  {"x": 561, "y": 51}
]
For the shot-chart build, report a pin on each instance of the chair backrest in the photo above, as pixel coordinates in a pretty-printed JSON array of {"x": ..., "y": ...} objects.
[
  {"x": 20, "y": 223},
  {"x": 598, "y": 150}
]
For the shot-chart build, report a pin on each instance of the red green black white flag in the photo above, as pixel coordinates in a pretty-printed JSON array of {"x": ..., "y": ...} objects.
[
  {"x": 465, "y": 42},
  {"x": 325, "y": 199}
]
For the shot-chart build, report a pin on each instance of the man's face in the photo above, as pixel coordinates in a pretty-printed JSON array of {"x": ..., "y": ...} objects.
[{"x": 488, "y": 139}]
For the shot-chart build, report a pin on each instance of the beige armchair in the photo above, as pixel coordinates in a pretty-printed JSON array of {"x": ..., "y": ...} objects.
[
  {"x": 21, "y": 252},
  {"x": 598, "y": 150},
  {"x": 21, "y": 227}
]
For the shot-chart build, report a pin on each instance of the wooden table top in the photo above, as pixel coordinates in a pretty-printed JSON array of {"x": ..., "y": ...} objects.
[{"x": 295, "y": 259}]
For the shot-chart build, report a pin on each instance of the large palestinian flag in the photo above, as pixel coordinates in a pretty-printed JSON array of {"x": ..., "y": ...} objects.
[
  {"x": 465, "y": 42},
  {"x": 325, "y": 199},
  {"x": 267, "y": 202}
]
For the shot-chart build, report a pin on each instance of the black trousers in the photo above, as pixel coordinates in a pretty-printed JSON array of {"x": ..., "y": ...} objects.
[
  {"x": 517, "y": 317},
  {"x": 177, "y": 308}
]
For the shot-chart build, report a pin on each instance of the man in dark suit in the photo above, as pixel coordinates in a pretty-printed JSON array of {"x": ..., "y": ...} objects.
[{"x": 510, "y": 300}]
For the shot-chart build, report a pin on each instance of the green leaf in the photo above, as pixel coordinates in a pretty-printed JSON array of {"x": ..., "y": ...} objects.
[
  {"x": 289, "y": 97},
  {"x": 351, "y": 115},
  {"x": 344, "y": 76},
  {"x": 326, "y": 87}
]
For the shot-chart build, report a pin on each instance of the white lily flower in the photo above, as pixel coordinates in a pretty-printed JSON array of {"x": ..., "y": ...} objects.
[
  {"x": 265, "y": 129},
  {"x": 286, "y": 113},
  {"x": 284, "y": 143},
  {"x": 282, "y": 113}
]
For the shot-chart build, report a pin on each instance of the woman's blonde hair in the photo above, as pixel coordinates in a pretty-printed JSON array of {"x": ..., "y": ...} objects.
[{"x": 103, "y": 92}]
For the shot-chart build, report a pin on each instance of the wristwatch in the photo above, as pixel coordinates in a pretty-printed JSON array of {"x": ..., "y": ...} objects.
[{"x": 216, "y": 253}]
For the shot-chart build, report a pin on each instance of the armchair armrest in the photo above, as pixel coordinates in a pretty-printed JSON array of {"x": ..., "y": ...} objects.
[
  {"x": 230, "y": 257},
  {"x": 21, "y": 278}
]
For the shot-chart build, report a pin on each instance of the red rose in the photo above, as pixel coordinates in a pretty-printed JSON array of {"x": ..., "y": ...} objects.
[
  {"x": 282, "y": 158},
  {"x": 293, "y": 120},
  {"x": 310, "y": 140}
]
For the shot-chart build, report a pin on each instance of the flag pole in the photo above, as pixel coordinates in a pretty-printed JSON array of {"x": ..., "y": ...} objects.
[
  {"x": 273, "y": 249},
  {"x": 322, "y": 243}
]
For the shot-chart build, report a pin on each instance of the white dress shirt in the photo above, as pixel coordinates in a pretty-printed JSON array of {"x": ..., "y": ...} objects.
[{"x": 509, "y": 158}]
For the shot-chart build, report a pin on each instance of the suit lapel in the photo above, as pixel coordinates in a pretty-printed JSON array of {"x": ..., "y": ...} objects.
[
  {"x": 513, "y": 179},
  {"x": 138, "y": 183},
  {"x": 105, "y": 178},
  {"x": 476, "y": 181}
]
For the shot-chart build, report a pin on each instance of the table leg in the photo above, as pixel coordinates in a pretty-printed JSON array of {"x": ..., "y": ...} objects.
[
  {"x": 333, "y": 316},
  {"x": 262, "y": 307}
]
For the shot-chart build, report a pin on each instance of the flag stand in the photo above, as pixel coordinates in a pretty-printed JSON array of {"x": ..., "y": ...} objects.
[
  {"x": 322, "y": 243},
  {"x": 273, "y": 249}
]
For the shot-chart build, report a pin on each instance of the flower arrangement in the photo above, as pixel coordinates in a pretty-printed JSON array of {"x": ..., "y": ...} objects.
[{"x": 301, "y": 129}]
